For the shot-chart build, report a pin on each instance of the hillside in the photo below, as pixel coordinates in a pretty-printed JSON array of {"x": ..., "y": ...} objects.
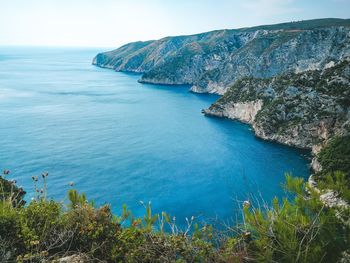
[
  {"x": 290, "y": 82},
  {"x": 213, "y": 61},
  {"x": 298, "y": 109}
]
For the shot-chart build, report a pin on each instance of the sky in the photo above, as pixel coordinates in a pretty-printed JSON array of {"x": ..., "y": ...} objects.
[{"x": 112, "y": 23}]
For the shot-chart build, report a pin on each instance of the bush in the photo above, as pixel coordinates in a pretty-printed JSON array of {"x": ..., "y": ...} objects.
[
  {"x": 11, "y": 242},
  {"x": 335, "y": 162},
  {"x": 41, "y": 224},
  {"x": 299, "y": 228},
  {"x": 9, "y": 191},
  {"x": 95, "y": 230},
  {"x": 336, "y": 157}
]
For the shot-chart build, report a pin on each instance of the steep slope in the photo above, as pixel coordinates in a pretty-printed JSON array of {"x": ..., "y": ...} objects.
[
  {"x": 213, "y": 61},
  {"x": 297, "y": 109}
]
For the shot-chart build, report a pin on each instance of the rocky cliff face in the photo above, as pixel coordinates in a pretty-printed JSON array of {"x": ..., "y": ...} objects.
[
  {"x": 297, "y": 109},
  {"x": 212, "y": 62},
  {"x": 242, "y": 111},
  {"x": 289, "y": 81}
]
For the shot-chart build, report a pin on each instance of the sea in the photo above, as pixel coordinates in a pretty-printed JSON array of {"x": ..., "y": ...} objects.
[{"x": 123, "y": 142}]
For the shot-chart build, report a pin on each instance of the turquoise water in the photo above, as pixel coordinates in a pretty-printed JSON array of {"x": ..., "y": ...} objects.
[{"x": 122, "y": 142}]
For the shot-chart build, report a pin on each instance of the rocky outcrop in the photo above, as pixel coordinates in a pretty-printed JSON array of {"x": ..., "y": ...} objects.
[
  {"x": 76, "y": 258},
  {"x": 289, "y": 81},
  {"x": 211, "y": 62},
  {"x": 298, "y": 109},
  {"x": 243, "y": 111},
  {"x": 329, "y": 197},
  {"x": 332, "y": 199},
  {"x": 302, "y": 110},
  {"x": 315, "y": 164}
]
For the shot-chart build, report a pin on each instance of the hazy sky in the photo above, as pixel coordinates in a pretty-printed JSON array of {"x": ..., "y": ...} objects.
[{"x": 115, "y": 22}]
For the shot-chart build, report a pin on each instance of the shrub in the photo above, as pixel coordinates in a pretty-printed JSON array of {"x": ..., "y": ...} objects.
[
  {"x": 41, "y": 223},
  {"x": 299, "y": 230},
  {"x": 10, "y": 191},
  {"x": 95, "y": 229},
  {"x": 336, "y": 157},
  {"x": 335, "y": 162},
  {"x": 337, "y": 182},
  {"x": 11, "y": 242}
]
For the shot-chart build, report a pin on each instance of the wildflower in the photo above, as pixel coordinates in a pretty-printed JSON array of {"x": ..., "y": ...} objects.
[
  {"x": 247, "y": 235},
  {"x": 6, "y": 172},
  {"x": 45, "y": 174},
  {"x": 34, "y": 242},
  {"x": 71, "y": 183},
  {"x": 246, "y": 204},
  {"x": 35, "y": 178}
]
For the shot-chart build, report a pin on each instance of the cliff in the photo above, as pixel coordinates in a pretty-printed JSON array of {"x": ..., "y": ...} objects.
[
  {"x": 213, "y": 61},
  {"x": 289, "y": 81},
  {"x": 297, "y": 109},
  {"x": 309, "y": 110}
]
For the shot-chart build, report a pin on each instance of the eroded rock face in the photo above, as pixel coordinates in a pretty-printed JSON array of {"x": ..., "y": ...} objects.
[
  {"x": 289, "y": 81},
  {"x": 302, "y": 110},
  {"x": 315, "y": 165},
  {"x": 211, "y": 62},
  {"x": 243, "y": 111},
  {"x": 331, "y": 199}
]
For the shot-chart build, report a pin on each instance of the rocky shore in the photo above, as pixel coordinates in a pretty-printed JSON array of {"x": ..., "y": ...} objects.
[
  {"x": 289, "y": 81},
  {"x": 303, "y": 110}
]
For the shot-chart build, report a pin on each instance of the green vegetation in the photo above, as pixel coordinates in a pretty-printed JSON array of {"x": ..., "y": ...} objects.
[
  {"x": 336, "y": 156},
  {"x": 175, "y": 64},
  {"x": 302, "y": 230},
  {"x": 10, "y": 191},
  {"x": 335, "y": 161},
  {"x": 300, "y": 109},
  {"x": 297, "y": 103},
  {"x": 298, "y": 228}
]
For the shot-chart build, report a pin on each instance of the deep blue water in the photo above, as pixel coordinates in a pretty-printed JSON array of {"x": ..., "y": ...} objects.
[{"x": 122, "y": 142}]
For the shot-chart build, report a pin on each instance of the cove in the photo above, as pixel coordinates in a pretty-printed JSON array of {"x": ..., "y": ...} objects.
[{"x": 120, "y": 141}]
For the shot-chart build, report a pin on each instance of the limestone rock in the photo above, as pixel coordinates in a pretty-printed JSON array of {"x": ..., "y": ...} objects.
[
  {"x": 211, "y": 62},
  {"x": 299, "y": 109},
  {"x": 76, "y": 258}
]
